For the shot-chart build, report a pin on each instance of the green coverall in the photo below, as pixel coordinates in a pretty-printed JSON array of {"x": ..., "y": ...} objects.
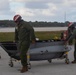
[
  {"x": 72, "y": 33},
  {"x": 24, "y": 34},
  {"x": 75, "y": 50}
]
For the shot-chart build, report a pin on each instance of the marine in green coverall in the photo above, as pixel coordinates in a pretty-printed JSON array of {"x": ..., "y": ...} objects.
[
  {"x": 72, "y": 35},
  {"x": 74, "y": 52},
  {"x": 24, "y": 35}
]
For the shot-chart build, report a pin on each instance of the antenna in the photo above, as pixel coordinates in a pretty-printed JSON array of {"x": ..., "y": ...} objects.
[{"x": 65, "y": 18}]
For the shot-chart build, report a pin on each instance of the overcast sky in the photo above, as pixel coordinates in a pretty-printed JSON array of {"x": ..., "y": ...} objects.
[{"x": 39, "y": 10}]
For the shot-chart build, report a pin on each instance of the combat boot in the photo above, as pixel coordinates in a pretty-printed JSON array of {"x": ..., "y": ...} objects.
[
  {"x": 24, "y": 69},
  {"x": 74, "y": 61}
]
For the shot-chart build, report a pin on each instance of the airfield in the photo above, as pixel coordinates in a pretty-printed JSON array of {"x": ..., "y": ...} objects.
[{"x": 57, "y": 67}]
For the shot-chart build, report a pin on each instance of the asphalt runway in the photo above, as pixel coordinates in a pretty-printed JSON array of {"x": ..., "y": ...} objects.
[{"x": 57, "y": 67}]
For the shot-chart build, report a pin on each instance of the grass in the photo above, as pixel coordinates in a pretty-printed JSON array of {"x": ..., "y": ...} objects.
[
  {"x": 9, "y": 36},
  {"x": 6, "y": 36},
  {"x": 48, "y": 35}
]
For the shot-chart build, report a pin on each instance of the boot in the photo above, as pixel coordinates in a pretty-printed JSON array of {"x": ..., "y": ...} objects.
[
  {"x": 74, "y": 61},
  {"x": 24, "y": 69}
]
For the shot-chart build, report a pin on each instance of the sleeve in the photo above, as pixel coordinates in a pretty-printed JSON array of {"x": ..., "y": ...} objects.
[
  {"x": 31, "y": 30},
  {"x": 73, "y": 35},
  {"x": 32, "y": 33}
]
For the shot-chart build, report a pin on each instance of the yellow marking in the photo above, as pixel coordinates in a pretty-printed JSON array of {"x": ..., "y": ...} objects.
[
  {"x": 28, "y": 56},
  {"x": 66, "y": 52}
]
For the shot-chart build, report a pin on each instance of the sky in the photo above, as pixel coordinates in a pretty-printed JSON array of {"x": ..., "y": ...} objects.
[{"x": 39, "y": 10}]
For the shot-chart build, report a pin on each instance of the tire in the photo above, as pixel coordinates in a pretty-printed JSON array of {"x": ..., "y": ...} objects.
[
  {"x": 50, "y": 61},
  {"x": 11, "y": 64},
  {"x": 67, "y": 61},
  {"x": 29, "y": 66},
  {"x": 0, "y": 57}
]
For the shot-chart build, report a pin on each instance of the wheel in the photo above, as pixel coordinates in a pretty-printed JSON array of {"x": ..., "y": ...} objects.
[
  {"x": 67, "y": 61},
  {"x": 29, "y": 66},
  {"x": 0, "y": 57},
  {"x": 11, "y": 64},
  {"x": 50, "y": 61}
]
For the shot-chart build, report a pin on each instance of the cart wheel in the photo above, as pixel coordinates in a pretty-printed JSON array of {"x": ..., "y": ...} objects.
[
  {"x": 29, "y": 66},
  {"x": 67, "y": 61},
  {"x": 11, "y": 64},
  {"x": 0, "y": 57},
  {"x": 50, "y": 61}
]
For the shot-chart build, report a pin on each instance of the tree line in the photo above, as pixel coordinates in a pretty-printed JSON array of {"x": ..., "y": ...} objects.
[{"x": 11, "y": 23}]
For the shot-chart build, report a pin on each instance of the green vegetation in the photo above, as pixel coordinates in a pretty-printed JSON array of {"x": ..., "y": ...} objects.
[
  {"x": 11, "y": 23},
  {"x": 6, "y": 36},
  {"x": 9, "y": 36},
  {"x": 48, "y": 35}
]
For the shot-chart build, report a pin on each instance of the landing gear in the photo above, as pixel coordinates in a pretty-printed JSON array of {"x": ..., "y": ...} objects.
[
  {"x": 66, "y": 58},
  {"x": 50, "y": 61},
  {"x": 67, "y": 61},
  {"x": 11, "y": 63},
  {"x": 0, "y": 55},
  {"x": 29, "y": 65},
  {"x": 28, "y": 60}
]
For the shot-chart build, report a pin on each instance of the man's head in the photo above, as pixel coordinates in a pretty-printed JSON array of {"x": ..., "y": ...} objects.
[{"x": 17, "y": 18}]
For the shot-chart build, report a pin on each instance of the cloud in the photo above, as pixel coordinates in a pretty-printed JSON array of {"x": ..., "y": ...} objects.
[
  {"x": 36, "y": 5},
  {"x": 70, "y": 3},
  {"x": 22, "y": 0},
  {"x": 25, "y": 12},
  {"x": 4, "y": 5},
  {"x": 34, "y": 8},
  {"x": 5, "y": 10},
  {"x": 47, "y": 10},
  {"x": 50, "y": 11},
  {"x": 53, "y": 1}
]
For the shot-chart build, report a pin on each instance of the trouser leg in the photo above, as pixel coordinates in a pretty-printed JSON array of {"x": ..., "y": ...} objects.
[
  {"x": 75, "y": 51},
  {"x": 23, "y": 55}
]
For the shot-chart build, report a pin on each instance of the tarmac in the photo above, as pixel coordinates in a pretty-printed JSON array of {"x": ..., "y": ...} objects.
[{"x": 57, "y": 67}]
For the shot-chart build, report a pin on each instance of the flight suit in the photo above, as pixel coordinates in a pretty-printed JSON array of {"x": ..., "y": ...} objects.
[
  {"x": 75, "y": 50},
  {"x": 72, "y": 35},
  {"x": 24, "y": 34}
]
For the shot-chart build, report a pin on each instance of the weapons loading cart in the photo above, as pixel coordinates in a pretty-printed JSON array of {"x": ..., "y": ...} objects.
[{"x": 41, "y": 50}]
